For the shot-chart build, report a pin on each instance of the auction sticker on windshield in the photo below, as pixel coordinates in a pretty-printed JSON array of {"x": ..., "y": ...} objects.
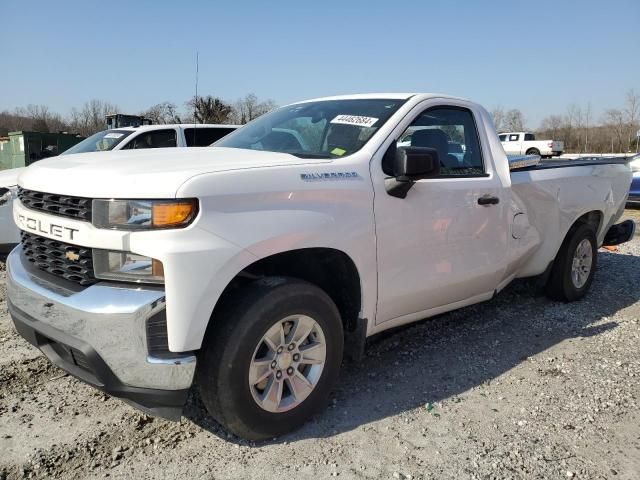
[
  {"x": 356, "y": 120},
  {"x": 113, "y": 135}
]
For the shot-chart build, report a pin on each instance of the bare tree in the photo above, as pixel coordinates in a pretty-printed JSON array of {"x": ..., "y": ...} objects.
[
  {"x": 91, "y": 117},
  {"x": 552, "y": 124},
  {"x": 13, "y": 122},
  {"x": 498, "y": 118},
  {"x": 38, "y": 114},
  {"x": 632, "y": 112},
  {"x": 571, "y": 123},
  {"x": 163, "y": 113},
  {"x": 36, "y": 118},
  {"x": 614, "y": 118},
  {"x": 210, "y": 109},
  {"x": 249, "y": 107},
  {"x": 514, "y": 120},
  {"x": 41, "y": 119},
  {"x": 577, "y": 116},
  {"x": 587, "y": 126}
]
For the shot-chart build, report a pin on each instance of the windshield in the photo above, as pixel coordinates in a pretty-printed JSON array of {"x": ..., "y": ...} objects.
[
  {"x": 323, "y": 129},
  {"x": 99, "y": 142}
]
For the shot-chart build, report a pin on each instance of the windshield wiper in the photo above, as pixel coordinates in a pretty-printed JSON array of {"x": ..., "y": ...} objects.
[{"x": 308, "y": 155}]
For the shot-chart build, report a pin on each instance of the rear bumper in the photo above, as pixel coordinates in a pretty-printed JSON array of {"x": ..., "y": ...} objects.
[{"x": 99, "y": 335}]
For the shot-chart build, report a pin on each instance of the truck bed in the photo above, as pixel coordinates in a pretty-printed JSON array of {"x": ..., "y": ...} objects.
[
  {"x": 550, "y": 192},
  {"x": 579, "y": 162}
]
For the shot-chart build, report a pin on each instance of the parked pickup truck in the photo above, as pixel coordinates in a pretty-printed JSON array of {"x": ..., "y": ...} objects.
[
  {"x": 152, "y": 136},
  {"x": 253, "y": 267},
  {"x": 525, "y": 143}
]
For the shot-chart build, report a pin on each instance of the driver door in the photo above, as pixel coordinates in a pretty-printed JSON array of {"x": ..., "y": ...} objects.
[{"x": 438, "y": 248}]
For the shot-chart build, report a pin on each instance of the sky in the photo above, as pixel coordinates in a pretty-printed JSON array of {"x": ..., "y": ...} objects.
[{"x": 538, "y": 56}]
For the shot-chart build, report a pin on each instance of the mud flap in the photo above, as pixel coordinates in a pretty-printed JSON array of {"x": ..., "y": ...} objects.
[
  {"x": 620, "y": 233},
  {"x": 542, "y": 280},
  {"x": 355, "y": 340}
]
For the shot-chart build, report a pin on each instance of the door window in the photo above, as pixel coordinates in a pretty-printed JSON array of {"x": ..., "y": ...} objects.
[
  {"x": 153, "y": 139},
  {"x": 503, "y": 137},
  {"x": 452, "y": 132},
  {"x": 514, "y": 138},
  {"x": 205, "y": 136}
]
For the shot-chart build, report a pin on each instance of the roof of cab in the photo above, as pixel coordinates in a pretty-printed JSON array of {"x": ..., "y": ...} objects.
[
  {"x": 174, "y": 125},
  {"x": 382, "y": 96}
]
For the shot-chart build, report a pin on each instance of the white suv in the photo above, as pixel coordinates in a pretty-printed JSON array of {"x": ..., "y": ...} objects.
[{"x": 153, "y": 136}]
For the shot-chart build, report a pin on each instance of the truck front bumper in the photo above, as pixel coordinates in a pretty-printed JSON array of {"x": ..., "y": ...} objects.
[{"x": 99, "y": 335}]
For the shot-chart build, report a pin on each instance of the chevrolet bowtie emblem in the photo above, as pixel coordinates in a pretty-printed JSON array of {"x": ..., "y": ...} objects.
[{"x": 72, "y": 256}]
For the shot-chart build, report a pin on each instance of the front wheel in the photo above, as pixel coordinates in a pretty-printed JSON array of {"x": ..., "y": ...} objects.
[
  {"x": 271, "y": 358},
  {"x": 574, "y": 267}
]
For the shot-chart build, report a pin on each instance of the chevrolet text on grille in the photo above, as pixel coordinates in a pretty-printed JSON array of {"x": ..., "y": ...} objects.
[{"x": 36, "y": 225}]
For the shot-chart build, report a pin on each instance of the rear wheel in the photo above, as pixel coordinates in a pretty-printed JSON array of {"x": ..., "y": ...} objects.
[
  {"x": 574, "y": 267},
  {"x": 533, "y": 151},
  {"x": 271, "y": 358}
]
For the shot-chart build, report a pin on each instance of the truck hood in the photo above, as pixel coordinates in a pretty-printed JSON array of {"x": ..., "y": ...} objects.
[
  {"x": 152, "y": 173},
  {"x": 9, "y": 178}
]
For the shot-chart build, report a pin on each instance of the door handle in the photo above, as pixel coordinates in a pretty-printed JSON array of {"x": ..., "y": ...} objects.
[{"x": 488, "y": 200}]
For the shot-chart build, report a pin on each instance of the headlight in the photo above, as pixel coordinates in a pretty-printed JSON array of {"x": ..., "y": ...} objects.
[
  {"x": 126, "y": 267},
  {"x": 144, "y": 214}
]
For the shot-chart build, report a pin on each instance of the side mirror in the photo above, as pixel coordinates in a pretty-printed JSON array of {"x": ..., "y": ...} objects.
[
  {"x": 414, "y": 163},
  {"x": 410, "y": 164}
]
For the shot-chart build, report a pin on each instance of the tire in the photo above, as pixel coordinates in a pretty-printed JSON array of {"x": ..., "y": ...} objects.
[
  {"x": 563, "y": 284},
  {"x": 533, "y": 151},
  {"x": 236, "y": 337}
]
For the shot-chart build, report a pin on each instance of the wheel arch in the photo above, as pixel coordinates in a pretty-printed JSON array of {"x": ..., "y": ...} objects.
[
  {"x": 330, "y": 269},
  {"x": 594, "y": 218}
]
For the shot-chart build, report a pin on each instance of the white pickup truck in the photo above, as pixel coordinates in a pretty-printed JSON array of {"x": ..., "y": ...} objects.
[
  {"x": 525, "y": 143},
  {"x": 251, "y": 268}
]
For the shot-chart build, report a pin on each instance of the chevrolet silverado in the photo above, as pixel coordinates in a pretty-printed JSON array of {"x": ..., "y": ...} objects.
[{"x": 252, "y": 268}]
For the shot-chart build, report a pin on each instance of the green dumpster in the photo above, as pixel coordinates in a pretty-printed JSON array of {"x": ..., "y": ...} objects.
[{"x": 21, "y": 149}]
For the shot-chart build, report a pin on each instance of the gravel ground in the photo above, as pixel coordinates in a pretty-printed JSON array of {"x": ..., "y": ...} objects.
[{"x": 518, "y": 387}]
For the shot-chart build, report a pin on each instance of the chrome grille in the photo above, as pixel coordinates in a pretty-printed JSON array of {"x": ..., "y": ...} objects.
[
  {"x": 62, "y": 205},
  {"x": 51, "y": 256}
]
